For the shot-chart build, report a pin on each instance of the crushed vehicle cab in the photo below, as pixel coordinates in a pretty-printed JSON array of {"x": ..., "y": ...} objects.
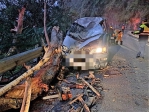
[{"x": 85, "y": 46}]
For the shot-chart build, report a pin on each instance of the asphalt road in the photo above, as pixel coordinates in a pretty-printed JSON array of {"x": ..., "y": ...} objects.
[{"x": 128, "y": 90}]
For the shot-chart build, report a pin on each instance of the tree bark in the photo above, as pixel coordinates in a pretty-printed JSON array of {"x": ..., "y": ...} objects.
[
  {"x": 13, "y": 98},
  {"x": 46, "y": 57}
]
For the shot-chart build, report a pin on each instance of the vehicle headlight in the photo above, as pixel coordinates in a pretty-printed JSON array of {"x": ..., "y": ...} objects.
[
  {"x": 104, "y": 49},
  {"x": 99, "y": 50}
]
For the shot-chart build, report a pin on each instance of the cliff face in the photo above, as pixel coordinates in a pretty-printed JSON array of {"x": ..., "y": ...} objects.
[{"x": 117, "y": 12}]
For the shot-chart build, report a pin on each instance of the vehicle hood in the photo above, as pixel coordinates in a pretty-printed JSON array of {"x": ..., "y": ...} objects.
[
  {"x": 92, "y": 31},
  {"x": 86, "y": 21}
]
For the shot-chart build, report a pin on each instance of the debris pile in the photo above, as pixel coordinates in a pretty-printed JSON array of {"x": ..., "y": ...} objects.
[{"x": 75, "y": 93}]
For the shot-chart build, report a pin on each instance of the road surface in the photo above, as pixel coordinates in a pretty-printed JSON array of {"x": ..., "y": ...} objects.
[{"x": 127, "y": 91}]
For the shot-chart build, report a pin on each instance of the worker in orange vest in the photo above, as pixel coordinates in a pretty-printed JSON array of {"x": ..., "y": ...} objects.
[{"x": 119, "y": 35}]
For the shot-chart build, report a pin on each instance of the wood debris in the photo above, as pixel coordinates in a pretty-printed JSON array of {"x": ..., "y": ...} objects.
[{"x": 84, "y": 93}]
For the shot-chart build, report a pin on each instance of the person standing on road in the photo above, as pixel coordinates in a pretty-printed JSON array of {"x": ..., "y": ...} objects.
[
  {"x": 123, "y": 28},
  {"x": 111, "y": 35},
  {"x": 111, "y": 31},
  {"x": 119, "y": 35},
  {"x": 143, "y": 37}
]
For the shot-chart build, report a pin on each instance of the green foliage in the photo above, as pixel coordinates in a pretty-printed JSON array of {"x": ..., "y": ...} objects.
[
  {"x": 11, "y": 73},
  {"x": 17, "y": 69},
  {"x": 33, "y": 17}
]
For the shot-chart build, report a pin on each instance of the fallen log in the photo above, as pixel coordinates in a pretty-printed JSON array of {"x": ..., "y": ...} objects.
[
  {"x": 39, "y": 83},
  {"x": 37, "y": 87},
  {"x": 47, "y": 56},
  {"x": 19, "y": 79}
]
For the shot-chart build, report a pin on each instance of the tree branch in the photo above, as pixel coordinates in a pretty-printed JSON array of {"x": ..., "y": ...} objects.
[{"x": 45, "y": 29}]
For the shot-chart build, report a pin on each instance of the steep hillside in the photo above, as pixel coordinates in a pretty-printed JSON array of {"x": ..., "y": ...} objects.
[{"x": 117, "y": 12}]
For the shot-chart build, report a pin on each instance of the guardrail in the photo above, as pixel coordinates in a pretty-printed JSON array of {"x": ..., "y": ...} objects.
[
  {"x": 136, "y": 35},
  {"x": 18, "y": 59}
]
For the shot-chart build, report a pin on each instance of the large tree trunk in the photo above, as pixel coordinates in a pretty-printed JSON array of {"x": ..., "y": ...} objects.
[
  {"x": 48, "y": 54},
  {"x": 11, "y": 96}
]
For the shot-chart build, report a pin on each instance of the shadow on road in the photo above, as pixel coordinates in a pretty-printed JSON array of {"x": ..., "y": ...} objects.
[{"x": 113, "y": 49}]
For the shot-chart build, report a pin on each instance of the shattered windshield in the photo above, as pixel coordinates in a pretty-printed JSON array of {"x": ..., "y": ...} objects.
[{"x": 83, "y": 31}]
